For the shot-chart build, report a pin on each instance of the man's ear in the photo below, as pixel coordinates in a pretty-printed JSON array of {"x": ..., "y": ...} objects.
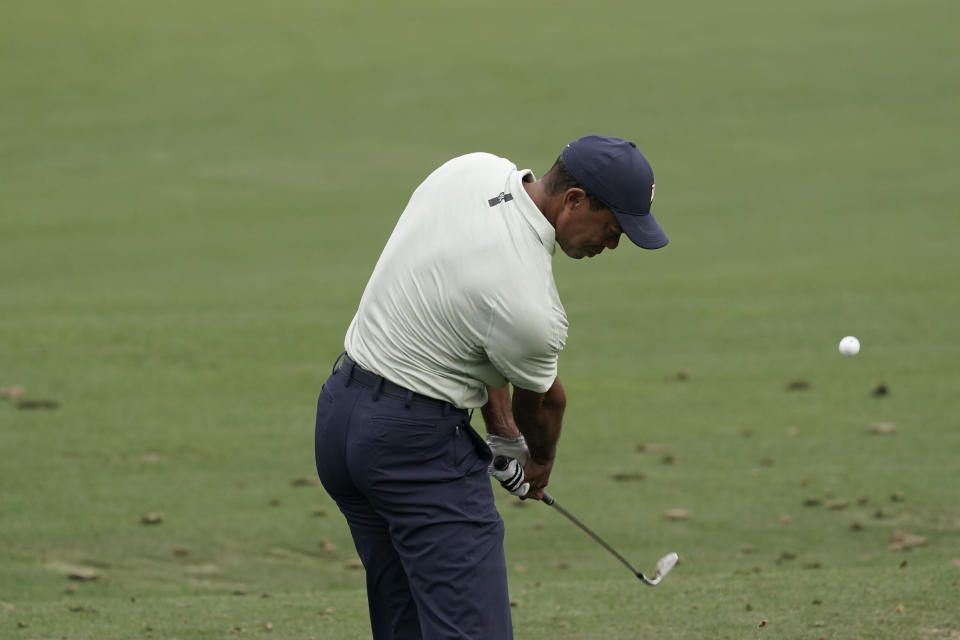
[{"x": 574, "y": 197}]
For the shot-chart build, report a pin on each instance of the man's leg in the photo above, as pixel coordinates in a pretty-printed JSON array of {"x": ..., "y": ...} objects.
[
  {"x": 458, "y": 575},
  {"x": 393, "y": 613},
  {"x": 425, "y": 473}
]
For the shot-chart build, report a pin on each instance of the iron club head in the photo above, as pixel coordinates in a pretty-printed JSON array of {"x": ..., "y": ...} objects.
[{"x": 664, "y": 565}]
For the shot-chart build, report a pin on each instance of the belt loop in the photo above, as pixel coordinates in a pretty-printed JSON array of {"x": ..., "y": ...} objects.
[
  {"x": 409, "y": 399},
  {"x": 377, "y": 388},
  {"x": 351, "y": 364},
  {"x": 337, "y": 361}
]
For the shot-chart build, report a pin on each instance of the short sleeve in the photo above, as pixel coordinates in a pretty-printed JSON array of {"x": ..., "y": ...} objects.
[{"x": 525, "y": 339}]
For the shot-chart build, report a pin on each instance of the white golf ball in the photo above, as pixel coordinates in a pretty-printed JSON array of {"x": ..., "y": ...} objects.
[{"x": 849, "y": 346}]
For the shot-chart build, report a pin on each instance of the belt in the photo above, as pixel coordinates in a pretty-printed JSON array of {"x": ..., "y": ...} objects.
[{"x": 382, "y": 386}]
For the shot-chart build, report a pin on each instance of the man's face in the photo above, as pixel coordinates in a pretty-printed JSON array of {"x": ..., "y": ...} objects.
[{"x": 585, "y": 232}]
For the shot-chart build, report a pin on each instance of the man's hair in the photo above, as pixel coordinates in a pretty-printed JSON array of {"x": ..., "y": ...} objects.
[{"x": 559, "y": 179}]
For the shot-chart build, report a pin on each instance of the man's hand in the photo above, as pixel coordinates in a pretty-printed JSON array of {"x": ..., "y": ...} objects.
[
  {"x": 514, "y": 478},
  {"x": 510, "y": 447},
  {"x": 537, "y": 476},
  {"x": 510, "y": 474},
  {"x": 512, "y": 455}
]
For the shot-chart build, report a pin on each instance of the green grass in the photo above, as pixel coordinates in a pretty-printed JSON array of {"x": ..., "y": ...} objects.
[{"x": 192, "y": 196}]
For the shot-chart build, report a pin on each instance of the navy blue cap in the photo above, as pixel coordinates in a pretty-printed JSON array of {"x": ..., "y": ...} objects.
[{"x": 615, "y": 172}]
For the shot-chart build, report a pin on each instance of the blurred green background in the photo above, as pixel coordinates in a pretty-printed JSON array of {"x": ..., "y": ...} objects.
[{"x": 192, "y": 196}]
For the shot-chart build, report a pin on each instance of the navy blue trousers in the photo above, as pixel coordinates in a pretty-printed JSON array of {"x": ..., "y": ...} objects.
[{"x": 410, "y": 476}]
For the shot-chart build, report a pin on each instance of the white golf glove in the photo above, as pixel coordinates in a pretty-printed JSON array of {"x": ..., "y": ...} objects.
[{"x": 516, "y": 454}]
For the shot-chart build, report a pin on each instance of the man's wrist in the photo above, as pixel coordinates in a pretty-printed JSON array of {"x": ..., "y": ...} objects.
[
  {"x": 503, "y": 431},
  {"x": 542, "y": 455}
]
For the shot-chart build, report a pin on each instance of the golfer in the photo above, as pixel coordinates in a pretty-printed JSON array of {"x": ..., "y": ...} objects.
[{"x": 461, "y": 303}]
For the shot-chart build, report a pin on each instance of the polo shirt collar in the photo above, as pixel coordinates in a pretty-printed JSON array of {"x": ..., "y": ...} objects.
[{"x": 533, "y": 215}]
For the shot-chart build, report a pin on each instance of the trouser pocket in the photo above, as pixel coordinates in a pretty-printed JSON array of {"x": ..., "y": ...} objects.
[{"x": 470, "y": 449}]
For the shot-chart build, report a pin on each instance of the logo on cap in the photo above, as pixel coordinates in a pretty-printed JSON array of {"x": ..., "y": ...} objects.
[{"x": 653, "y": 187}]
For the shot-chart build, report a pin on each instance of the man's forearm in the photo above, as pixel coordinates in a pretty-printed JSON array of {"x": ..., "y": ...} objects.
[
  {"x": 498, "y": 413},
  {"x": 539, "y": 416}
]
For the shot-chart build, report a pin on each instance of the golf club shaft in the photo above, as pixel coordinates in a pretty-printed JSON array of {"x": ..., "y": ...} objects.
[{"x": 548, "y": 499}]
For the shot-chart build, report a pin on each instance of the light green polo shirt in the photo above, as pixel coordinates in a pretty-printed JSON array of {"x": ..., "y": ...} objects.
[{"x": 463, "y": 294}]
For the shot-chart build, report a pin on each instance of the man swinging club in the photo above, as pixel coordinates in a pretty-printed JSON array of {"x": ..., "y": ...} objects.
[{"x": 461, "y": 302}]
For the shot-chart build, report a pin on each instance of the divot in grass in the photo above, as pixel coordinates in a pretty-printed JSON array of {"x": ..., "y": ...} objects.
[
  {"x": 305, "y": 481},
  {"x": 626, "y": 476},
  {"x": 652, "y": 447},
  {"x": 12, "y": 392},
  {"x": 152, "y": 518},
  {"x": 31, "y": 405},
  {"x": 881, "y": 390},
  {"x": 883, "y": 428},
  {"x": 78, "y": 573},
  {"x": 903, "y": 540}
]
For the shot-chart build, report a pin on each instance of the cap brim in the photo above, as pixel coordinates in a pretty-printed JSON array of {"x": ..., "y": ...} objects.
[{"x": 643, "y": 231}]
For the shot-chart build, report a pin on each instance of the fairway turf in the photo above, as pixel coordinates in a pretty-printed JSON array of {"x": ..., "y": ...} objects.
[{"x": 192, "y": 196}]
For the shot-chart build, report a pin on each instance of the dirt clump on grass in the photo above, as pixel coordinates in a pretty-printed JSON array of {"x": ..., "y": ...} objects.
[
  {"x": 883, "y": 428},
  {"x": 305, "y": 481},
  {"x": 12, "y": 392},
  {"x": 83, "y": 574},
  {"x": 37, "y": 404},
  {"x": 626, "y": 476},
  {"x": 903, "y": 540},
  {"x": 652, "y": 447},
  {"x": 152, "y": 518}
]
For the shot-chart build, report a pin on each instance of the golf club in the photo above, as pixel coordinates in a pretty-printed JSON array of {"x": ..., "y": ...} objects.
[{"x": 664, "y": 564}]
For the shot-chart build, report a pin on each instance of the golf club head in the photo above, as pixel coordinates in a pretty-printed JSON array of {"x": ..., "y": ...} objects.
[{"x": 664, "y": 565}]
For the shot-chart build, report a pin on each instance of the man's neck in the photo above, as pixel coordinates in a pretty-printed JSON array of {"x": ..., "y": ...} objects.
[{"x": 538, "y": 193}]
